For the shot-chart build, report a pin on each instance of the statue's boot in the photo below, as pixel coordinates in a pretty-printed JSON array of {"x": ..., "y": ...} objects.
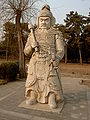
[
  {"x": 52, "y": 101},
  {"x": 32, "y": 99}
]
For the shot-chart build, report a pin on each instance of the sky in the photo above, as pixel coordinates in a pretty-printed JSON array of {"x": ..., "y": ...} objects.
[{"x": 60, "y": 8}]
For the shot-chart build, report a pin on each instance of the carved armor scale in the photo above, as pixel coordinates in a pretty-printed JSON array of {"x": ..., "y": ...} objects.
[{"x": 39, "y": 78}]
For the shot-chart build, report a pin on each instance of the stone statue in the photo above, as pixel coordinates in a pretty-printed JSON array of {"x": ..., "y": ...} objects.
[{"x": 45, "y": 47}]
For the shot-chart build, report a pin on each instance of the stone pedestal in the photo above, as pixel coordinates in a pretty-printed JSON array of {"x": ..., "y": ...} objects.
[{"x": 43, "y": 107}]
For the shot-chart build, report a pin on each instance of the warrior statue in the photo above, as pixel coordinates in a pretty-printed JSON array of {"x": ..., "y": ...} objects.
[{"x": 45, "y": 46}]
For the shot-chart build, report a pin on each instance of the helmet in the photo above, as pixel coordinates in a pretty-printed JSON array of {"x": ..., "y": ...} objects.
[{"x": 45, "y": 12}]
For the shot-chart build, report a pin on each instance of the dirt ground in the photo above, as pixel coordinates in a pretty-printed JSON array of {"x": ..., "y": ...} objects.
[{"x": 75, "y": 70}]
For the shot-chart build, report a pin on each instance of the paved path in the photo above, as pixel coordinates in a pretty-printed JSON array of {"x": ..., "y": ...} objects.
[{"x": 77, "y": 102}]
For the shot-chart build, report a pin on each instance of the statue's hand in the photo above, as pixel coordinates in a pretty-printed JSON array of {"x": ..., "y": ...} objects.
[{"x": 54, "y": 63}]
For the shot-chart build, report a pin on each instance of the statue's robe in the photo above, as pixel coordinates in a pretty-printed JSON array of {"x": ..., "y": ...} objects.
[{"x": 42, "y": 77}]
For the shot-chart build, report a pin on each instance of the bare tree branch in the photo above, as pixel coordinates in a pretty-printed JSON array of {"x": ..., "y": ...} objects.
[
  {"x": 10, "y": 8},
  {"x": 18, "y": 9}
]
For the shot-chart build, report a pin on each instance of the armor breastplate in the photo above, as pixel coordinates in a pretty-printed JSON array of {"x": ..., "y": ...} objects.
[{"x": 46, "y": 43}]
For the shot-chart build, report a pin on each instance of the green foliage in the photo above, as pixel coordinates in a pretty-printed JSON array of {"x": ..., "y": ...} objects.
[
  {"x": 3, "y": 71},
  {"x": 77, "y": 31},
  {"x": 74, "y": 25},
  {"x": 9, "y": 70},
  {"x": 10, "y": 42},
  {"x": 12, "y": 71},
  {"x": 10, "y": 37}
]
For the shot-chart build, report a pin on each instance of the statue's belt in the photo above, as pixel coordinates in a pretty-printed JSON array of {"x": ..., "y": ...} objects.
[{"x": 43, "y": 56}]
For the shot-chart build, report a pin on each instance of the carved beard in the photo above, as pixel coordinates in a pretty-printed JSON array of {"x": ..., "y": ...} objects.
[{"x": 44, "y": 25}]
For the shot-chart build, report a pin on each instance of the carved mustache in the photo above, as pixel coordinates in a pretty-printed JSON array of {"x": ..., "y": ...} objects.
[{"x": 43, "y": 24}]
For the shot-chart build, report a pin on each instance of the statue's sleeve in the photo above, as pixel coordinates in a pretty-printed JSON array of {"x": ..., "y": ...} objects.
[
  {"x": 28, "y": 48},
  {"x": 59, "y": 46}
]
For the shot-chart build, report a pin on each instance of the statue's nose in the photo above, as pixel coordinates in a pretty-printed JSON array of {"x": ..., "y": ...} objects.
[{"x": 43, "y": 21}]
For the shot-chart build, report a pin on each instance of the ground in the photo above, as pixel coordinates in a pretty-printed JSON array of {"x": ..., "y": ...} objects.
[
  {"x": 76, "y": 97},
  {"x": 75, "y": 68}
]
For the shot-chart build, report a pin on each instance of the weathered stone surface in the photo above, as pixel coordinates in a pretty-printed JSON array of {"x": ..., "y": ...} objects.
[
  {"x": 45, "y": 45},
  {"x": 43, "y": 107}
]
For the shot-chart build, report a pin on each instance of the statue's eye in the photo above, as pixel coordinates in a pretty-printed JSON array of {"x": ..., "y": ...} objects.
[
  {"x": 46, "y": 20},
  {"x": 41, "y": 20}
]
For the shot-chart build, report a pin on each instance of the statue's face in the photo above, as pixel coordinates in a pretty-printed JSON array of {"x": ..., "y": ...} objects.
[{"x": 44, "y": 22}]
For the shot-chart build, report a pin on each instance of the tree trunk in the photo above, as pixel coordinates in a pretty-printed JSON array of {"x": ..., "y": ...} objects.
[
  {"x": 21, "y": 56},
  {"x": 6, "y": 54},
  {"x": 80, "y": 55},
  {"x": 21, "y": 47},
  {"x": 7, "y": 49},
  {"x": 66, "y": 54}
]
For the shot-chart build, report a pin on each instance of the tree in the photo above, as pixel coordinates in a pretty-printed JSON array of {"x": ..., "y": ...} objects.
[
  {"x": 74, "y": 25},
  {"x": 86, "y": 36},
  {"x": 20, "y": 10},
  {"x": 66, "y": 38},
  {"x": 10, "y": 43},
  {"x": 9, "y": 38}
]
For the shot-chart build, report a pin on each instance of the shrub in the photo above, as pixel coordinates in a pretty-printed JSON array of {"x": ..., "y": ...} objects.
[
  {"x": 3, "y": 70},
  {"x": 9, "y": 70},
  {"x": 12, "y": 71}
]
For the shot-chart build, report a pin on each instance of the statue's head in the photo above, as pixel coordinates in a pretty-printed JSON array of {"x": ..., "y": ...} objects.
[{"x": 45, "y": 19}]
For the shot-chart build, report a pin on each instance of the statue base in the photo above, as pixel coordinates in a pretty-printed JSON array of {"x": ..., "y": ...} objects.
[{"x": 43, "y": 107}]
